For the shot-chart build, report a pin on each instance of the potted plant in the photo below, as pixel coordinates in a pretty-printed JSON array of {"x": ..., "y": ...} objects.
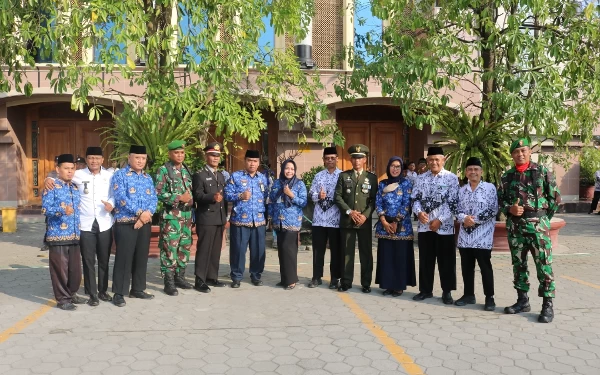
[{"x": 589, "y": 163}]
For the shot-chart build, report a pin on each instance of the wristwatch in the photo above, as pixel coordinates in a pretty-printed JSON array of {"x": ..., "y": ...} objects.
[{"x": 348, "y": 212}]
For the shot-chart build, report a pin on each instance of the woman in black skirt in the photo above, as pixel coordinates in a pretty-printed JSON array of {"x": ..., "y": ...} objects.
[
  {"x": 288, "y": 197},
  {"x": 395, "y": 252}
]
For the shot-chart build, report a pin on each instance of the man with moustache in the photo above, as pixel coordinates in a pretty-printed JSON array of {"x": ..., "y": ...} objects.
[
  {"x": 355, "y": 193},
  {"x": 135, "y": 203},
  {"x": 326, "y": 221},
  {"x": 211, "y": 219},
  {"x": 174, "y": 190},
  {"x": 435, "y": 200},
  {"x": 529, "y": 197}
]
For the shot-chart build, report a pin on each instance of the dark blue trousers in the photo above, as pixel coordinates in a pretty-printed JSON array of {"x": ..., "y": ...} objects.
[{"x": 241, "y": 239}]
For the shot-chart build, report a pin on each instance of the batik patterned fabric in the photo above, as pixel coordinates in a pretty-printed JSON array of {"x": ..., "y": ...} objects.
[
  {"x": 394, "y": 204},
  {"x": 482, "y": 205},
  {"x": 62, "y": 229},
  {"x": 535, "y": 189},
  {"x": 327, "y": 213},
  {"x": 597, "y": 178},
  {"x": 438, "y": 197},
  {"x": 248, "y": 213},
  {"x": 134, "y": 193},
  {"x": 288, "y": 218}
]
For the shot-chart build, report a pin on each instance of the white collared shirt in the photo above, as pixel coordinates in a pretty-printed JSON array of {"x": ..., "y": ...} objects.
[
  {"x": 482, "y": 205},
  {"x": 98, "y": 190}
]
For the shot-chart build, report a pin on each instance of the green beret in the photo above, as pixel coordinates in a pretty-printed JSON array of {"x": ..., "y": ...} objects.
[
  {"x": 175, "y": 145},
  {"x": 521, "y": 142},
  {"x": 358, "y": 151}
]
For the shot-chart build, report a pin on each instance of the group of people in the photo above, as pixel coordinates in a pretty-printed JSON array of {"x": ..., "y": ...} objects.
[{"x": 82, "y": 206}]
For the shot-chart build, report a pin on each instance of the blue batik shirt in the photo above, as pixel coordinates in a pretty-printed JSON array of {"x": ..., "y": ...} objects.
[
  {"x": 288, "y": 218},
  {"x": 393, "y": 201},
  {"x": 134, "y": 193},
  {"x": 248, "y": 213},
  {"x": 62, "y": 229}
]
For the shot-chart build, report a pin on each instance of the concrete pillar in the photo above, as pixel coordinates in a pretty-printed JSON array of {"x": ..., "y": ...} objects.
[
  {"x": 348, "y": 30},
  {"x": 303, "y": 49}
]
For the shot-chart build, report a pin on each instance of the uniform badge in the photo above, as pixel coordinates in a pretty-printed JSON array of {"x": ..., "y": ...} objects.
[
  {"x": 520, "y": 142},
  {"x": 132, "y": 190},
  {"x": 348, "y": 191},
  {"x": 129, "y": 174},
  {"x": 85, "y": 188},
  {"x": 148, "y": 191},
  {"x": 217, "y": 148},
  {"x": 357, "y": 148},
  {"x": 262, "y": 187},
  {"x": 63, "y": 205}
]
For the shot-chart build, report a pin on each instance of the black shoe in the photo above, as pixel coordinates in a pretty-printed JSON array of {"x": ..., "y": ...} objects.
[
  {"x": 366, "y": 289},
  {"x": 257, "y": 282},
  {"x": 78, "y": 300},
  {"x": 180, "y": 280},
  {"x": 388, "y": 292},
  {"x": 201, "y": 286},
  {"x": 170, "y": 288},
  {"x": 118, "y": 300},
  {"x": 93, "y": 301},
  {"x": 547, "y": 314},
  {"x": 522, "y": 304},
  {"x": 334, "y": 284},
  {"x": 447, "y": 298},
  {"x": 315, "y": 283},
  {"x": 490, "y": 304},
  {"x": 67, "y": 306},
  {"x": 215, "y": 283},
  {"x": 343, "y": 288},
  {"x": 465, "y": 300},
  {"x": 421, "y": 296},
  {"x": 235, "y": 284},
  {"x": 104, "y": 297},
  {"x": 397, "y": 294},
  {"x": 140, "y": 295}
]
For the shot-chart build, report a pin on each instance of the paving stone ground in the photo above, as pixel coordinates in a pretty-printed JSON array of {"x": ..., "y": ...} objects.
[{"x": 267, "y": 330}]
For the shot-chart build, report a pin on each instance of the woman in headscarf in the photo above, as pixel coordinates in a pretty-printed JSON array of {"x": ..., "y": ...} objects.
[
  {"x": 287, "y": 197},
  {"x": 395, "y": 251}
]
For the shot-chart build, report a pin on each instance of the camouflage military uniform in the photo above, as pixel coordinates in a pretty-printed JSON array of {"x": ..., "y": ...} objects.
[
  {"x": 176, "y": 217},
  {"x": 537, "y": 192}
]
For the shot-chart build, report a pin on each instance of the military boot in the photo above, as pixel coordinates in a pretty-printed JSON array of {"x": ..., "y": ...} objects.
[
  {"x": 170, "y": 285},
  {"x": 547, "y": 313},
  {"x": 522, "y": 304},
  {"x": 180, "y": 280}
]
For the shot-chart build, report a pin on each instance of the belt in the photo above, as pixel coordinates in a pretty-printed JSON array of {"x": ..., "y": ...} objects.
[{"x": 532, "y": 214}]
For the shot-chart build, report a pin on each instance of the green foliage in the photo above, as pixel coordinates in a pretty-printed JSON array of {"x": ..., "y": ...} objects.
[
  {"x": 308, "y": 176},
  {"x": 589, "y": 163},
  {"x": 467, "y": 136},
  {"x": 205, "y": 70},
  {"x": 533, "y": 63}
]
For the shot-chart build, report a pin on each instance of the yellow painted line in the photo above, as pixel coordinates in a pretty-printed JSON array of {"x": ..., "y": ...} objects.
[
  {"x": 581, "y": 282},
  {"x": 27, "y": 321},
  {"x": 395, "y": 350}
]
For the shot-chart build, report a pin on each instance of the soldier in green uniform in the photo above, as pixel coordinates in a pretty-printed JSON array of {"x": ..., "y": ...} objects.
[
  {"x": 173, "y": 188},
  {"x": 355, "y": 194},
  {"x": 528, "y": 196}
]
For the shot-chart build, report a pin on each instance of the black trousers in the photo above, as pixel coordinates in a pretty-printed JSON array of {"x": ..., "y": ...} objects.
[
  {"x": 595, "y": 201},
  {"x": 320, "y": 235},
  {"x": 65, "y": 271},
  {"x": 287, "y": 251},
  {"x": 131, "y": 259},
  {"x": 208, "y": 251},
  {"x": 365, "y": 253},
  {"x": 432, "y": 247},
  {"x": 95, "y": 244},
  {"x": 468, "y": 256}
]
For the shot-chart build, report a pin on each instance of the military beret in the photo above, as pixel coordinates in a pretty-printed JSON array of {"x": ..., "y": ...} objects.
[
  {"x": 358, "y": 151},
  {"x": 330, "y": 151},
  {"x": 65, "y": 158},
  {"x": 136, "y": 149},
  {"x": 435, "y": 150},
  {"x": 93, "y": 151},
  {"x": 252, "y": 154},
  {"x": 521, "y": 142},
  {"x": 473, "y": 161},
  {"x": 214, "y": 148},
  {"x": 176, "y": 145}
]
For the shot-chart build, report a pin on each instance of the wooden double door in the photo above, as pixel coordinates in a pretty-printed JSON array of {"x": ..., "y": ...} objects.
[{"x": 384, "y": 139}]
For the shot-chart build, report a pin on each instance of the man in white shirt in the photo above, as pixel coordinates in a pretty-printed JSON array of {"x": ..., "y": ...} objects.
[
  {"x": 477, "y": 209},
  {"x": 326, "y": 221},
  {"x": 435, "y": 199},
  {"x": 96, "y": 221}
]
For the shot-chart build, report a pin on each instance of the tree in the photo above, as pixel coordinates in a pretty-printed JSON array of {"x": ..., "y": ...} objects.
[
  {"x": 197, "y": 71},
  {"x": 530, "y": 64}
]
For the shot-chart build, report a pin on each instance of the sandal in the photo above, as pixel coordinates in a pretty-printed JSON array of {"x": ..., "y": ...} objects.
[{"x": 290, "y": 287}]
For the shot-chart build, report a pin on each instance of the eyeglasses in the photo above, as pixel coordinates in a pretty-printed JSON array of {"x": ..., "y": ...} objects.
[
  {"x": 395, "y": 166},
  {"x": 330, "y": 158}
]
